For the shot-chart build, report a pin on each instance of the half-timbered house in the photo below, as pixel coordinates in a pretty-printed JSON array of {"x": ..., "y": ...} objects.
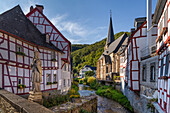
[
  {"x": 19, "y": 38},
  {"x": 161, "y": 18},
  {"x": 142, "y": 62}
]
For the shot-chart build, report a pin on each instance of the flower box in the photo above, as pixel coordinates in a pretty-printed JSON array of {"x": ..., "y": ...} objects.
[
  {"x": 20, "y": 53},
  {"x": 164, "y": 77},
  {"x": 49, "y": 83},
  {"x": 54, "y": 60},
  {"x": 21, "y": 86}
]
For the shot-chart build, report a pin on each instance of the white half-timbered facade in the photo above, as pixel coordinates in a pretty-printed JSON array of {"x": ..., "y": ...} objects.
[
  {"x": 138, "y": 49},
  {"x": 19, "y": 38},
  {"x": 161, "y": 17},
  {"x": 44, "y": 25}
]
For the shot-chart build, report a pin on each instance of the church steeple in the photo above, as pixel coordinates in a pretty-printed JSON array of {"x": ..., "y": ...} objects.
[{"x": 110, "y": 37}]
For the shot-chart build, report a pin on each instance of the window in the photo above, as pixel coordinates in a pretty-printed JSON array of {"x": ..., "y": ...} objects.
[
  {"x": 64, "y": 83},
  {"x": 106, "y": 69},
  {"x": 54, "y": 78},
  {"x": 48, "y": 77},
  {"x": 68, "y": 68},
  {"x": 20, "y": 80},
  {"x": 47, "y": 38},
  {"x": 121, "y": 70},
  {"x": 68, "y": 82},
  {"x": 167, "y": 65},
  {"x": 165, "y": 18},
  {"x": 20, "y": 48},
  {"x": 152, "y": 72},
  {"x": 144, "y": 72},
  {"x": 161, "y": 71},
  {"x": 53, "y": 55},
  {"x": 64, "y": 67}
]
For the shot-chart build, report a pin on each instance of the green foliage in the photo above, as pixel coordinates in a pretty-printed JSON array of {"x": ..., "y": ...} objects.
[
  {"x": 77, "y": 46},
  {"x": 77, "y": 79},
  {"x": 20, "y": 53},
  {"x": 55, "y": 100},
  {"x": 150, "y": 104},
  {"x": 89, "y": 54},
  {"x": 81, "y": 82},
  {"x": 111, "y": 93},
  {"x": 89, "y": 73},
  {"x": 91, "y": 80}
]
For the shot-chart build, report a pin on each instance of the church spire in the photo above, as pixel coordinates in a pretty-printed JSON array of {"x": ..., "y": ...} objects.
[{"x": 110, "y": 37}]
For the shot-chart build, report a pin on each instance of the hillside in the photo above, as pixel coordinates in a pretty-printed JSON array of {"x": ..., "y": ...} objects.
[
  {"x": 89, "y": 54},
  {"x": 75, "y": 47}
]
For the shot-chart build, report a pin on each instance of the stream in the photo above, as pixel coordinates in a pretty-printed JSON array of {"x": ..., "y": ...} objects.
[{"x": 104, "y": 105}]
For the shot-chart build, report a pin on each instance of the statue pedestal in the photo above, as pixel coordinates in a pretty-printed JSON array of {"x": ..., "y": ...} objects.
[{"x": 35, "y": 97}]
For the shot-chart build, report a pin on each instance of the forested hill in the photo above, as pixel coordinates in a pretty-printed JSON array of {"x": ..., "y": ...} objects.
[
  {"x": 89, "y": 54},
  {"x": 75, "y": 47}
]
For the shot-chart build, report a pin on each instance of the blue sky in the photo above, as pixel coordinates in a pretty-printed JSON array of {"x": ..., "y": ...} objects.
[{"x": 86, "y": 21}]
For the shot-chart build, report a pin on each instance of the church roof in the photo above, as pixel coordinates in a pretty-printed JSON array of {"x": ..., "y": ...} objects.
[
  {"x": 110, "y": 37},
  {"x": 16, "y": 23},
  {"x": 114, "y": 46}
]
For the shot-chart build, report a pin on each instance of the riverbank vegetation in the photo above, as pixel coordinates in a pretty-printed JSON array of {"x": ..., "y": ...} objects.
[
  {"x": 60, "y": 99},
  {"x": 108, "y": 92}
]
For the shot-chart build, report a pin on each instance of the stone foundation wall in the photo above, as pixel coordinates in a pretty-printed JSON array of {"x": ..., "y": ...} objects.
[
  {"x": 11, "y": 103},
  {"x": 87, "y": 103},
  {"x": 139, "y": 103},
  {"x": 7, "y": 107}
]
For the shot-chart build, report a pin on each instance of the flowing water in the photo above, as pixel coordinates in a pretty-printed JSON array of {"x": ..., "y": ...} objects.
[{"x": 104, "y": 105}]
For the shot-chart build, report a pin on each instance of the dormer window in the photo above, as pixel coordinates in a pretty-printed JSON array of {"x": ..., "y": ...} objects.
[
  {"x": 20, "y": 48},
  {"x": 53, "y": 55},
  {"x": 47, "y": 38}
]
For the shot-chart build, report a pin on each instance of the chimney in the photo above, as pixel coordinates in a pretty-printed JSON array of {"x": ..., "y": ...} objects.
[
  {"x": 40, "y": 8},
  {"x": 132, "y": 30},
  {"x": 31, "y": 8},
  {"x": 149, "y": 20}
]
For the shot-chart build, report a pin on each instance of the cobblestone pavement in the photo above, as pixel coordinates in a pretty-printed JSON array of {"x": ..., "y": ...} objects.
[{"x": 105, "y": 105}]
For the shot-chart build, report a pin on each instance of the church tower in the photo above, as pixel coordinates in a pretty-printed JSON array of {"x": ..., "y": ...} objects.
[{"x": 110, "y": 37}]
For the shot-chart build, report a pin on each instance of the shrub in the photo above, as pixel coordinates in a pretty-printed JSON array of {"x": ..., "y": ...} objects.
[
  {"x": 55, "y": 100},
  {"x": 90, "y": 80},
  {"x": 81, "y": 82},
  {"x": 111, "y": 93}
]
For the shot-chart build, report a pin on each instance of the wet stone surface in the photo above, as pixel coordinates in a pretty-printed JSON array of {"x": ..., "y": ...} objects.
[
  {"x": 104, "y": 105},
  {"x": 1, "y": 110}
]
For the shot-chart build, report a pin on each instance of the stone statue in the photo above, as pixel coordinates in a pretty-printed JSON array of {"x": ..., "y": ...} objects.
[{"x": 36, "y": 76}]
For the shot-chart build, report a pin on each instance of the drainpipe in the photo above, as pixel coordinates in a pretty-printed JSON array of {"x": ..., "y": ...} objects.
[{"x": 149, "y": 21}]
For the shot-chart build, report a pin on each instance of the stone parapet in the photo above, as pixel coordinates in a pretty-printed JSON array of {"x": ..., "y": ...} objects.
[
  {"x": 11, "y": 103},
  {"x": 87, "y": 103}
]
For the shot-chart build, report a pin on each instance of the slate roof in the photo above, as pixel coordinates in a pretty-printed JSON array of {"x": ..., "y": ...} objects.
[
  {"x": 15, "y": 22},
  {"x": 114, "y": 46},
  {"x": 92, "y": 68},
  {"x": 158, "y": 10},
  {"x": 110, "y": 37}
]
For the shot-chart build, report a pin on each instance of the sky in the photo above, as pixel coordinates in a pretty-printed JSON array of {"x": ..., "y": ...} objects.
[{"x": 86, "y": 21}]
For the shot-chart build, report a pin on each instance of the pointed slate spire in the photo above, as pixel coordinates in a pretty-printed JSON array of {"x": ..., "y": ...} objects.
[{"x": 110, "y": 37}]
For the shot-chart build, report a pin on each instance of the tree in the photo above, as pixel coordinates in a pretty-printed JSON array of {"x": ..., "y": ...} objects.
[{"x": 89, "y": 73}]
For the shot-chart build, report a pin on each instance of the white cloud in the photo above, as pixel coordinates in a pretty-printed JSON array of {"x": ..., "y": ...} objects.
[{"x": 78, "y": 32}]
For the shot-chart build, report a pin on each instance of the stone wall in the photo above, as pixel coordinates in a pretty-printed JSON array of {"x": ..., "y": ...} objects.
[
  {"x": 87, "y": 103},
  {"x": 11, "y": 103},
  {"x": 139, "y": 103}
]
